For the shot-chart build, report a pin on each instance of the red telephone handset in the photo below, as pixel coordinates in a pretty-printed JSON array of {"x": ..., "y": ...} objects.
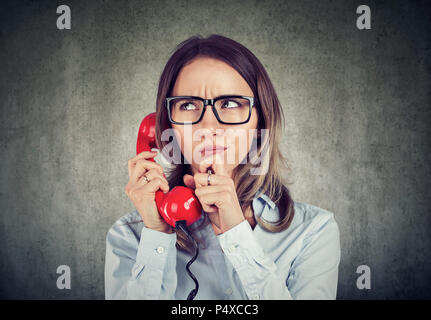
[{"x": 180, "y": 203}]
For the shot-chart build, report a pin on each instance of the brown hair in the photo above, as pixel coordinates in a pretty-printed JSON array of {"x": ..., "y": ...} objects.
[{"x": 270, "y": 117}]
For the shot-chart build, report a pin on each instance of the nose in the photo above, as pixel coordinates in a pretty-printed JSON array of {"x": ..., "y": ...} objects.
[{"x": 209, "y": 120}]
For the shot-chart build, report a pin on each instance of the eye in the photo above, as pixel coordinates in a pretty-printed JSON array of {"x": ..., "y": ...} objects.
[
  {"x": 187, "y": 106},
  {"x": 228, "y": 104}
]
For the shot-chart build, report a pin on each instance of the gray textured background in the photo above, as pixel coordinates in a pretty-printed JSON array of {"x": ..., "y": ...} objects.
[{"x": 358, "y": 134}]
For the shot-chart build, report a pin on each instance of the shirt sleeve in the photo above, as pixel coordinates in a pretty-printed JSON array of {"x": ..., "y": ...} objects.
[
  {"x": 140, "y": 270},
  {"x": 313, "y": 274}
]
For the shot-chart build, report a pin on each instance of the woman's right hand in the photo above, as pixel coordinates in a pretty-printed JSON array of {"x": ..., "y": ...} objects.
[{"x": 142, "y": 193}]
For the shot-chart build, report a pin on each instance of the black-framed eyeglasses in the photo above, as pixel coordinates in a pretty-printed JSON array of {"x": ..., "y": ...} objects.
[{"x": 228, "y": 109}]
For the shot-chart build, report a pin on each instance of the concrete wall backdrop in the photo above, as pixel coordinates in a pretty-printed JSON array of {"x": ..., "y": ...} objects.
[{"x": 357, "y": 136}]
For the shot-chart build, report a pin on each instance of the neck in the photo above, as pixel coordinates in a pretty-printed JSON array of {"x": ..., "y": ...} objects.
[{"x": 249, "y": 216}]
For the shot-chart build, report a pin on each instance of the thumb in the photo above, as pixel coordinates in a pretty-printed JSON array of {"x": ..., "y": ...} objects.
[
  {"x": 220, "y": 169},
  {"x": 189, "y": 181}
]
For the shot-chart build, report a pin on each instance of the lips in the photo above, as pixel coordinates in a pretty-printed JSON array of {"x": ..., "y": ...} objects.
[{"x": 211, "y": 149}]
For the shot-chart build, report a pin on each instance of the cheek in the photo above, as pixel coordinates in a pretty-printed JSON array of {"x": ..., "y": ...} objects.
[
  {"x": 242, "y": 141},
  {"x": 250, "y": 129},
  {"x": 183, "y": 136},
  {"x": 179, "y": 135}
]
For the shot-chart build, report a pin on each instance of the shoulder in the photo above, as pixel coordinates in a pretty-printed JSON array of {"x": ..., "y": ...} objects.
[
  {"x": 307, "y": 217},
  {"x": 311, "y": 214},
  {"x": 314, "y": 222}
]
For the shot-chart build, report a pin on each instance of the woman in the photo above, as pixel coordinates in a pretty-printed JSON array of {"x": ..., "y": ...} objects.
[{"x": 255, "y": 241}]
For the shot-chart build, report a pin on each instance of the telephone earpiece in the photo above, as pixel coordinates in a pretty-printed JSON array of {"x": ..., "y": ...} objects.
[{"x": 180, "y": 203}]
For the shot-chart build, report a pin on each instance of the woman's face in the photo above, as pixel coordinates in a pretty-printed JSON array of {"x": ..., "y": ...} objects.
[{"x": 210, "y": 143}]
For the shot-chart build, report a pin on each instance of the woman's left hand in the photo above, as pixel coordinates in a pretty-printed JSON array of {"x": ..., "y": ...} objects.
[{"x": 219, "y": 199}]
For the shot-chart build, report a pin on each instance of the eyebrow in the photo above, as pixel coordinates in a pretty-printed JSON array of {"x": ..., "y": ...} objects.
[{"x": 218, "y": 97}]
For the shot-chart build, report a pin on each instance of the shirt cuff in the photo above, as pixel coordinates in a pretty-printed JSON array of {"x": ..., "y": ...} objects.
[
  {"x": 154, "y": 248},
  {"x": 240, "y": 246}
]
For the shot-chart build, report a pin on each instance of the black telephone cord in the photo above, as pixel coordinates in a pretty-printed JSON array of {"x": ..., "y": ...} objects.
[{"x": 183, "y": 226}]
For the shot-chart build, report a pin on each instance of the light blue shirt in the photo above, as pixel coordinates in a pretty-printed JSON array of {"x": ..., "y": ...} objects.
[{"x": 241, "y": 263}]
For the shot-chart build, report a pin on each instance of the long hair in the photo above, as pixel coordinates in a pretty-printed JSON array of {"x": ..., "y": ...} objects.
[{"x": 270, "y": 116}]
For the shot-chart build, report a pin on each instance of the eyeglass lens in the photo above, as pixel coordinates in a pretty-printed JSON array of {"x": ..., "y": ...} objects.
[{"x": 229, "y": 110}]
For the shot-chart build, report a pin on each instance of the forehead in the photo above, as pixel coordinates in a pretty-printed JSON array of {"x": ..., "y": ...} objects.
[{"x": 208, "y": 78}]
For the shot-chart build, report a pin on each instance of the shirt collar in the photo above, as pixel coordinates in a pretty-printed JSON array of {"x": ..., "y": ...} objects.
[
  {"x": 266, "y": 199},
  {"x": 265, "y": 208}
]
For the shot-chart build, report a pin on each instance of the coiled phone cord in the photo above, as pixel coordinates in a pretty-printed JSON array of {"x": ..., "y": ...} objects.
[{"x": 182, "y": 226}]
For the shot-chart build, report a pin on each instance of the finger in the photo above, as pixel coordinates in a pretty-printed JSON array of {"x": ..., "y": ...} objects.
[
  {"x": 201, "y": 180},
  {"x": 151, "y": 175},
  {"x": 155, "y": 185},
  {"x": 143, "y": 155},
  {"x": 143, "y": 166},
  {"x": 189, "y": 181},
  {"x": 210, "y": 202},
  {"x": 220, "y": 170},
  {"x": 205, "y": 164},
  {"x": 202, "y": 191},
  {"x": 140, "y": 193},
  {"x": 208, "y": 208}
]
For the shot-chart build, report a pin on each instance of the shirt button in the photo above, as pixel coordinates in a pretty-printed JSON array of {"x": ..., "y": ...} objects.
[
  {"x": 255, "y": 297},
  {"x": 229, "y": 291},
  {"x": 232, "y": 248},
  {"x": 160, "y": 250}
]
